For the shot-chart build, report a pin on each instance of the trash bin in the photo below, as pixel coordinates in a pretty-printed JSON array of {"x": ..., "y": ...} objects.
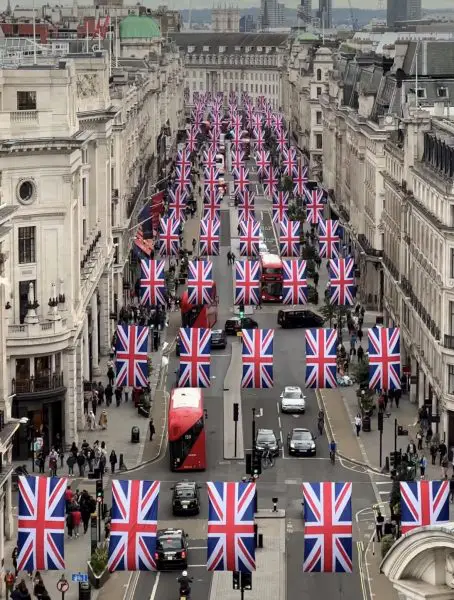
[
  {"x": 84, "y": 590},
  {"x": 135, "y": 434},
  {"x": 366, "y": 423}
]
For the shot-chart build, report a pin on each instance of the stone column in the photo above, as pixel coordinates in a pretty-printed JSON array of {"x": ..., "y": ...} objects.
[
  {"x": 9, "y": 520},
  {"x": 94, "y": 334},
  {"x": 2, "y": 544},
  {"x": 73, "y": 394},
  {"x": 105, "y": 291},
  {"x": 413, "y": 386},
  {"x": 79, "y": 389},
  {"x": 86, "y": 352}
]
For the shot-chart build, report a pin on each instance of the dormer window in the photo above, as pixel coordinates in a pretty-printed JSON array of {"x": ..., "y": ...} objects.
[
  {"x": 259, "y": 48},
  {"x": 442, "y": 92},
  {"x": 191, "y": 49},
  {"x": 221, "y": 49},
  {"x": 421, "y": 93},
  {"x": 237, "y": 48},
  {"x": 206, "y": 48}
]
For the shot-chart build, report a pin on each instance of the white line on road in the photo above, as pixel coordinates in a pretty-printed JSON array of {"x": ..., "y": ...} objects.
[
  {"x": 277, "y": 405},
  {"x": 282, "y": 438},
  {"x": 279, "y": 421},
  {"x": 155, "y": 586},
  {"x": 385, "y": 493},
  {"x": 383, "y": 482},
  {"x": 197, "y": 547},
  {"x": 196, "y": 567}
]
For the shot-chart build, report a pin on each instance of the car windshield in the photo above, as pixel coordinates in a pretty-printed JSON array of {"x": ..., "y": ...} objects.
[
  {"x": 267, "y": 437},
  {"x": 292, "y": 395},
  {"x": 184, "y": 492},
  {"x": 302, "y": 436},
  {"x": 169, "y": 543}
]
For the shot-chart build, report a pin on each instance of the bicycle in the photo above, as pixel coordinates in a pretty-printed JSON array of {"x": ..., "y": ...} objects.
[
  {"x": 267, "y": 458},
  {"x": 332, "y": 456}
]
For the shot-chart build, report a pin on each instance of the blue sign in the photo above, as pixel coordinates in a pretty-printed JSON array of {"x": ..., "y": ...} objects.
[{"x": 79, "y": 577}]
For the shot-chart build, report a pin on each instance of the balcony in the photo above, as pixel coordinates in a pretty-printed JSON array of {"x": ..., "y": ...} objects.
[
  {"x": 390, "y": 266},
  {"x": 367, "y": 247},
  {"x": 41, "y": 386},
  {"x": 448, "y": 342},
  {"x": 44, "y": 327},
  {"x": 134, "y": 203},
  {"x": 90, "y": 250},
  {"x": 406, "y": 286}
]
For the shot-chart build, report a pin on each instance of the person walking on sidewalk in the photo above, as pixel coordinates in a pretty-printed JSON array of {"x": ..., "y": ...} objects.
[
  {"x": 109, "y": 394},
  {"x": 419, "y": 436},
  {"x": 81, "y": 463},
  {"x": 71, "y": 461},
  {"x": 433, "y": 452},
  {"x": 70, "y": 524},
  {"x": 445, "y": 466},
  {"x": 152, "y": 429},
  {"x": 9, "y": 583},
  {"x": 77, "y": 518},
  {"x": 442, "y": 449},
  {"x": 422, "y": 465},
  {"x": 358, "y": 424},
  {"x": 14, "y": 559},
  {"x": 118, "y": 394},
  {"x": 113, "y": 460},
  {"x": 379, "y": 520},
  {"x": 110, "y": 372}
]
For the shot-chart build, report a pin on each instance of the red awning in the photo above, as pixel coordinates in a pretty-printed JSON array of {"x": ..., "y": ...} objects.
[{"x": 146, "y": 246}]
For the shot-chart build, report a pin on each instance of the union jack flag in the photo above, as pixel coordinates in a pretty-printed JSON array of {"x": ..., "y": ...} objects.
[
  {"x": 183, "y": 176},
  {"x": 245, "y": 205},
  {"x": 300, "y": 179},
  {"x": 289, "y": 238},
  {"x": 277, "y": 122},
  {"x": 132, "y": 541},
  {"x": 241, "y": 179},
  {"x": 282, "y": 140},
  {"x": 192, "y": 141},
  {"x": 41, "y": 523},
  {"x": 270, "y": 181},
  {"x": 294, "y": 288},
  {"x": 259, "y": 141},
  {"x": 182, "y": 158},
  {"x": 384, "y": 358},
  {"x": 237, "y": 159},
  {"x": 250, "y": 237},
  {"x": 209, "y": 237},
  {"x": 342, "y": 281},
  {"x": 247, "y": 281},
  {"x": 257, "y": 358},
  {"x": 169, "y": 237},
  {"x": 152, "y": 282},
  {"x": 328, "y": 531},
  {"x": 423, "y": 503},
  {"x": 211, "y": 208},
  {"x": 200, "y": 282},
  {"x": 262, "y": 160},
  {"x": 211, "y": 178},
  {"x": 131, "y": 359},
  {"x": 280, "y": 206},
  {"x": 268, "y": 119},
  {"x": 290, "y": 162},
  {"x": 209, "y": 158},
  {"x": 177, "y": 203},
  {"x": 321, "y": 358},
  {"x": 328, "y": 238},
  {"x": 231, "y": 537},
  {"x": 195, "y": 357},
  {"x": 315, "y": 203}
]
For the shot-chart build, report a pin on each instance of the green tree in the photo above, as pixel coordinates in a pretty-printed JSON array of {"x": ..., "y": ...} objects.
[
  {"x": 332, "y": 313},
  {"x": 287, "y": 184},
  {"x": 386, "y": 542},
  {"x": 361, "y": 372},
  {"x": 296, "y": 213}
]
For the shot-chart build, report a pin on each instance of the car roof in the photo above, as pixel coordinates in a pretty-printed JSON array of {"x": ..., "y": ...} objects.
[
  {"x": 265, "y": 431},
  {"x": 217, "y": 331},
  {"x": 185, "y": 484},
  {"x": 170, "y": 532},
  {"x": 292, "y": 388},
  {"x": 300, "y": 429}
]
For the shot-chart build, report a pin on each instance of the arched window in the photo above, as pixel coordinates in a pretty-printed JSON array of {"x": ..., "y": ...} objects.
[{"x": 319, "y": 74}]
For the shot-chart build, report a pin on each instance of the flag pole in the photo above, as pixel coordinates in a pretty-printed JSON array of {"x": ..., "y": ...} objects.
[
  {"x": 86, "y": 36},
  {"x": 34, "y": 34},
  {"x": 116, "y": 37}
]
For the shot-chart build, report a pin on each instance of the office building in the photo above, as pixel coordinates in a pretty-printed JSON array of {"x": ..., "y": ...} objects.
[
  {"x": 325, "y": 13},
  {"x": 305, "y": 12},
  {"x": 402, "y": 10}
]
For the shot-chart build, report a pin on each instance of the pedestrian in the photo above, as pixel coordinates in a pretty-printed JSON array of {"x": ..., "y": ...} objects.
[
  {"x": 69, "y": 497},
  {"x": 316, "y": 278},
  {"x": 360, "y": 354},
  {"x": 445, "y": 466},
  {"x": 9, "y": 583},
  {"x": 87, "y": 507},
  {"x": 53, "y": 464},
  {"x": 113, "y": 460},
  {"x": 100, "y": 393},
  {"x": 110, "y": 373},
  {"x": 14, "y": 558},
  {"x": 91, "y": 421},
  {"x": 61, "y": 455},
  {"x": 433, "y": 452},
  {"x": 152, "y": 429},
  {"x": 71, "y": 461},
  {"x": 411, "y": 449},
  {"x": 419, "y": 439},
  {"x": 451, "y": 489},
  {"x": 379, "y": 520},
  {"x": 422, "y": 465},
  {"x": 228, "y": 258},
  {"x": 23, "y": 593},
  {"x": 103, "y": 420},
  {"x": 118, "y": 393},
  {"x": 360, "y": 335},
  {"x": 442, "y": 449},
  {"x": 69, "y": 523},
  {"x": 41, "y": 461},
  {"x": 358, "y": 421},
  {"x": 39, "y": 589},
  {"x": 429, "y": 435},
  {"x": 81, "y": 463},
  {"x": 109, "y": 394},
  {"x": 77, "y": 518}
]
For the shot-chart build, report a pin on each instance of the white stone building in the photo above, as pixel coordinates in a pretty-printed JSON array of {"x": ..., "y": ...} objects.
[
  {"x": 238, "y": 62},
  {"x": 79, "y": 159}
]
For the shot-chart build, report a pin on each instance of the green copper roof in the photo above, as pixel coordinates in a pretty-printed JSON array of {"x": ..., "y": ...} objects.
[
  {"x": 135, "y": 27},
  {"x": 307, "y": 36}
]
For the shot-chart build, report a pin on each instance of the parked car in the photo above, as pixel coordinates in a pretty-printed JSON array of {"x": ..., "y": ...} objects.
[
  {"x": 185, "y": 498},
  {"x": 293, "y": 400},
  {"x": 301, "y": 441},
  {"x": 218, "y": 338},
  {"x": 235, "y": 324},
  {"x": 299, "y": 317},
  {"x": 171, "y": 549}
]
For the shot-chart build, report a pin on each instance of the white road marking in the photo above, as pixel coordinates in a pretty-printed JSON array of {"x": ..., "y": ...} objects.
[
  {"x": 282, "y": 438},
  {"x": 155, "y": 586},
  {"x": 196, "y": 567},
  {"x": 197, "y": 547},
  {"x": 382, "y": 482},
  {"x": 279, "y": 421},
  {"x": 277, "y": 405},
  {"x": 386, "y": 492}
]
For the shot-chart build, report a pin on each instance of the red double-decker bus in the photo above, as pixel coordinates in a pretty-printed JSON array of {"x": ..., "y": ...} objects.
[
  {"x": 199, "y": 315},
  {"x": 187, "y": 430},
  {"x": 271, "y": 278}
]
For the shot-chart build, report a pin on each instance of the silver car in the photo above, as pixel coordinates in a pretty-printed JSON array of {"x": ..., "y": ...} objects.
[{"x": 293, "y": 400}]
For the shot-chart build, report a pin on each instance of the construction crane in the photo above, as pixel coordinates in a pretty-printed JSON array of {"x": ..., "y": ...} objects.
[{"x": 354, "y": 20}]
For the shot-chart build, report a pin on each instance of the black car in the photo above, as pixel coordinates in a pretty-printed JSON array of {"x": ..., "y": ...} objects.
[
  {"x": 171, "y": 549},
  {"x": 218, "y": 338},
  {"x": 298, "y": 317},
  {"x": 235, "y": 324},
  {"x": 301, "y": 441},
  {"x": 266, "y": 438},
  {"x": 186, "y": 498}
]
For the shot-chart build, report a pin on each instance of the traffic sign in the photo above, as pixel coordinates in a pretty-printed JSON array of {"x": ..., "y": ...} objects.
[
  {"x": 62, "y": 585},
  {"x": 79, "y": 577}
]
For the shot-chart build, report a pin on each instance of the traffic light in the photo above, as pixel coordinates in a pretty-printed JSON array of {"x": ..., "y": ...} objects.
[
  {"x": 256, "y": 464},
  {"x": 99, "y": 491},
  {"x": 380, "y": 421},
  {"x": 395, "y": 458},
  {"x": 246, "y": 581},
  {"x": 241, "y": 310},
  {"x": 236, "y": 410},
  {"x": 236, "y": 580}
]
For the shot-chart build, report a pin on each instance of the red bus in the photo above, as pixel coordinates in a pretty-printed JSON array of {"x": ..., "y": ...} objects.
[
  {"x": 271, "y": 278},
  {"x": 199, "y": 315},
  {"x": 187, "y": 430}
]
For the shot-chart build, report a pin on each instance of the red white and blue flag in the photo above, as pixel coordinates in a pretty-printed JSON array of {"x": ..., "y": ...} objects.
[
  {"x": 169, "y": 237},
  {"x": 300, "y": 179},
  {"x": 342, "y": 286},
  {"x": 152, "y": 282},
  {"x": 249, "y": 237},
  {"x": 241, "y": 179},
  {"x": 131, "y": 360},
  {"x": 328, "y": 530},
  {"x": 328, "y": 238},
  {"x": 246, "y": 205},
  {"x": 282, "y": 139},
  {"x": 423, "y": 503},
  {"x": 41, "y": 523},
  {"x": 289, "y": 238},
  {"x": 384, "y": 358},
  {"x": 294, "y": 287},
  {"x": 257, "y": 358},
  {"x": 133, "y": 526},
  {"x": 183, "y": 176},
  {"x": 237, "y": 159},
  {"x": 177, "y": 204},
  {"x": 247, "y": 282},
  {"x": 270, "y": 181},
  {"x": 212, "y": 206},
  {"x": 290, "y": 161},
  {"x": 259, "y": 140},
  {"x": 280, "y": 207},
  {"x": 231, "y": 536},
  {"x": 200, "y": 282},
  {"x": 315, "y": 204},
  {"x": 211, "y": 178},
  {"x": 209, "y": 237},
  {"x": 209, "y": 158},
  {"x": 321, "y": 358},
  {"x": 183, "y": 159},
  {"x": 263, "y": 161},
  {"x": 192, "y": 141},
  {"x": 195, "y": 357}
]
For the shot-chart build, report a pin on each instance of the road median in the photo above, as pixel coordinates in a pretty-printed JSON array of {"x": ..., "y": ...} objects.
[{"x": 232, "y": 395}]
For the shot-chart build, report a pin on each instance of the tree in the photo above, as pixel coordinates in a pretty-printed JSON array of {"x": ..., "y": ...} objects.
[
  {"x": 386, "y": 542},
  {"x": 296, "y": 213},
  {"x": 331, "y": 313},
  {"x": 361, "y": 372},
  {"x": 287, "y": 184}
]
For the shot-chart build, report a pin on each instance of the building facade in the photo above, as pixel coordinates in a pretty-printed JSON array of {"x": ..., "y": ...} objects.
[
  {"x": 403, "y": 10},
  {"x": 233, "y": 62},
  {"x": 81, "y": 154},
  {"x": 225, "y": 20}
]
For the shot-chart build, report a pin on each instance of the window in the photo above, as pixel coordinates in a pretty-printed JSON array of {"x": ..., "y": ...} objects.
[
  {"x": 318, "y": 141},
  {"x": 451, "y": 318},
  {"x": 206, "y": 48},
  {"x": 26, "y": 100},
  {"x": 23, "y": 298},
  {"x": 442, "y": 92},
  {"x": 319, "y": 74},
  {"x": 27, "y": 245},
  {"x": 318, "y": 117},
  {"x": 421, "y": 92},
  {"x": 450, "y": 379},
  {"x": 319, "y": 91},
  {"x": 451, "y": 269},
  {"x": 84, "y": 230},
  {"x": 84, "y": 191}
]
